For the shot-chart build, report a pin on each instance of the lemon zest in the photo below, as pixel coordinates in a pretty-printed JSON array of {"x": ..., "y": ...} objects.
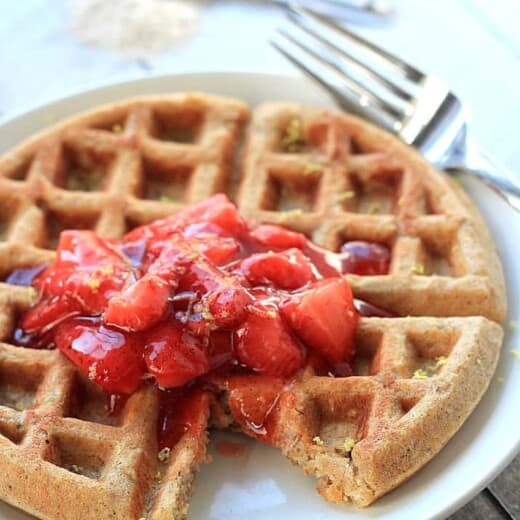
[
  {"x": 117, "y": 128},
  {"x": 440, "y": 361},
  {"x": 207, "y": 315},
  {"x": 318, "y": 440},
  {"x": 292, "y": 213},
  {"x": 420, "y": 373},
  {"x": 92, "y": 371},
  {"x": 345, "y": 195},
  {"x": 31, "y": 293},
  {"x": 312, "y": 167},
  {"x": 106, "y": 270},
  {"x": 163, "y": 455},
  {"x": 347, "y": 446},
  {"x": 374, "y": 208},
  {"x": 165, "y": 198},
  {"x": 430, "y": 369},
  {"x": 513, "y": 324},
  {"x": 293, "y": 137},
  {"x": 417, "y": 268},
  {"x": 94, "y": 284},
  {"x": 500, "y": 379},
  {"x": 516, "y": 353}
]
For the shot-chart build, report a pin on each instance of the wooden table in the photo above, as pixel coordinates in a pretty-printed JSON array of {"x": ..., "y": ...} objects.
[{"x": 472, "y": 44}]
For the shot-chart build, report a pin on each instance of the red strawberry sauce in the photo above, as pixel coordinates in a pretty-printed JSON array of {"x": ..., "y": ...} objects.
[{"x": 203, "y": 299}]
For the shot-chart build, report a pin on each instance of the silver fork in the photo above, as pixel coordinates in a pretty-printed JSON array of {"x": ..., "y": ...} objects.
[
  {"x": 371, "y": 11},
  {"x": 418, "y": 107}
]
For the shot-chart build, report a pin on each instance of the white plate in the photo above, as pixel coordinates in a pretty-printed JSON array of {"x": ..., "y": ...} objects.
[{"x": 262, "y": 483}]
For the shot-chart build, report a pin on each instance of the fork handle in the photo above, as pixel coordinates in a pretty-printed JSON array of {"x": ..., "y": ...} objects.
[{"x": 478, "y": 163}]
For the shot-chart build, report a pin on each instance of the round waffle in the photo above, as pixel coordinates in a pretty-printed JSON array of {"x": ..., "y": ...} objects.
[{"x": 329, "y": 175}]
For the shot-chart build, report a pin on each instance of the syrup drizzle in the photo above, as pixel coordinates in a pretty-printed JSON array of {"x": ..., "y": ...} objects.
[
  {"x": 180, "y": 412},
  {"x": 372, "y": 311},
  {"x": 24, "y": 276}
]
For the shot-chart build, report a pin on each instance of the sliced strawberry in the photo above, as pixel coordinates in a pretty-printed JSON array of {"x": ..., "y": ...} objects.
[
  {"x": 206, "y": 238},
  {"x": 325, "y": 318},
  {"x": 222, "y": 299},
  {"x": 277, "y": 237},
  {"x": 226, "y": 217},
  {"x": 88, "y": 270},
  {"x": 217, "y": 209},
  {"x": 264, "y": 344},
  {"x": 174, "y": 356},
  {"x": 289, "y": 269},
  {"x": 221, "y": 250},
  {"x": 180, "y": 264},
  {"x": 48, "y": 312},
  {"x": 139, "y": 307},
  {"x": 325, "y": 262},
  {"x": 111, "y": 358},
  {"x": 253, "y": 402},
  {"x": 169, "y": 259},
  {"x": 144, "y": 303},
  {"x": 84, "y": 248},
  {"x": 228, "y": 305},
  {"x": 206, "y": 210}
]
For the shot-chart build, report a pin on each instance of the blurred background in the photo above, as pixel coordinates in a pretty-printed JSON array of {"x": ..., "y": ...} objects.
[{"x": 49, "y": 48}]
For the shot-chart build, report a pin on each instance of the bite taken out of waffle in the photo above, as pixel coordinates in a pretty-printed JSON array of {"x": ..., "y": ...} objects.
[{"x": 333, "y": 177}]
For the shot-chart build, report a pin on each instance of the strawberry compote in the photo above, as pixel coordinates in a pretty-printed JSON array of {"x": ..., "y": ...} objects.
[{"x": 201, "y": 293}]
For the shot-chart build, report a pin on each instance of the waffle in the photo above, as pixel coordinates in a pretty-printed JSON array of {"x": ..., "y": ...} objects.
[
  {"x": 351, "y": 181},
  {"x": 330, "y": 175}
]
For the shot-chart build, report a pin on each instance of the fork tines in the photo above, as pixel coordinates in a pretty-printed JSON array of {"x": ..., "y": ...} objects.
[
  {"x": 371, "y": 82},
  {"x": 326, "y": 51}
]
